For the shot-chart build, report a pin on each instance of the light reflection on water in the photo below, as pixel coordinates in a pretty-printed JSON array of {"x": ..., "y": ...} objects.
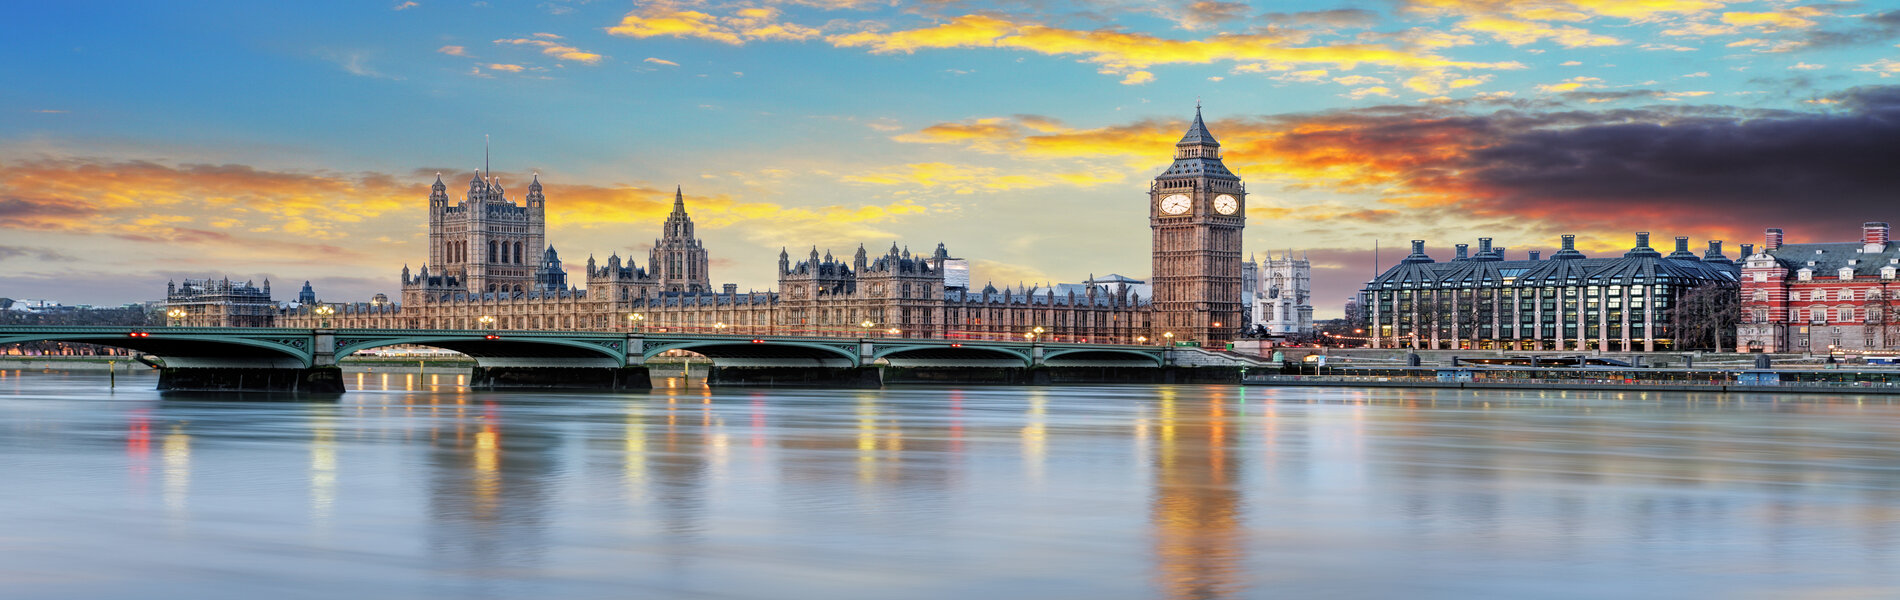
[{"x": 408, "y": 490}]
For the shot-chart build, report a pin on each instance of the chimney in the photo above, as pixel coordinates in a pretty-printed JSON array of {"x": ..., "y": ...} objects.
[
  {"x": 1418, "y": 246},
  {"x": 1570, "y": 241},
  {"x": 1461, "y": 251},
  {"x": 1774, "y": 239},
  {"x": 1498, "y": 252},
  {"x": 1748, "y": 250},
  {"x": 732, "y": 288},
  {"x": 1642, "y": 239},
  {"x": 1534, "y": 254},
  {"x": 1715, "y": 249},
  {"x": 1873, "y": 235},
  {"x": 1484, "y": 246},
  {"x": 1682, "y": 243}
]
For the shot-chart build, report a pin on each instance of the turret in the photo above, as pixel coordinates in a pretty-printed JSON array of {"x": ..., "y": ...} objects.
[
  {"x": 858, "y": 261},
  {"x": 1418, "y": 253},
  {"x": 784, "y": 261},
  {"x": 1642, "y": 248},
  {"x": 535, "y": 198}
]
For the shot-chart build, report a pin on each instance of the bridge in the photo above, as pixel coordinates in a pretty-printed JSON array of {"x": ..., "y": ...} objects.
[{"x": 289, "y": 359}]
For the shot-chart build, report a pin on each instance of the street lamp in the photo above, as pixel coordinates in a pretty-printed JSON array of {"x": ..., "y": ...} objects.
[
  {"x": 719, "y": 327},
  {"x": 867, "y": 325},
  {"x": 1141, "y": 339},
  {"x": 176, "y": 314},
  {"x": 634, "y": 319},
  {"x": 1170, "y": 338},
  {"x": 1038, "y": 331},
  {"x": 487, "y": 322},
  {"x": 1029, "y": 335},
  {"x": 323, "y": 313}
]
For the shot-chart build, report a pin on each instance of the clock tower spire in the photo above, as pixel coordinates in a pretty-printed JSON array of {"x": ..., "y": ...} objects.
[{"x": 1196, "y": 211}]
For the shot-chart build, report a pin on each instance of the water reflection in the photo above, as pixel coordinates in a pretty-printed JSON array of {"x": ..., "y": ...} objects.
[
  {"x": 489, "y": 491},
  {"x": 1175, "y": 492},
  {"x": 1196, "y": 506}
]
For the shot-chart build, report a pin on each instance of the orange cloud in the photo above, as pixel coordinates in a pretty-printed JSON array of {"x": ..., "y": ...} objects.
[
  {"x": 554, "y": 49},
  {"x": 506, "y": 67},
  {"x": 746, "y": 24},
  {"x": 1518, "y": 32},
  {"x": 1122, "y": 52},
  {"x": 453, "y": 50}
]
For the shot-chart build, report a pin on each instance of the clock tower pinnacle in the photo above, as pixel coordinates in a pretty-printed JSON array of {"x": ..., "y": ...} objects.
[{"x": 1196, "y": 211}]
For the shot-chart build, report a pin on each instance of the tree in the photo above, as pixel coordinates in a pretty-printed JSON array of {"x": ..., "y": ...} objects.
[{"x": 1705, "y": 317}]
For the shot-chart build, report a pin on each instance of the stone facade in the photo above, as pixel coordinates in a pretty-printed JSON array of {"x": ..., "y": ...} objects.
[
  {"x": 1821, "y": 297},
  {"x": 490, "y": 268},
  {"x": 1196, "y": 210},
  {"x": 1282, "y": 300},
  {"x": 218, "y": 303},
  {"x": 1565, "y": 302}
]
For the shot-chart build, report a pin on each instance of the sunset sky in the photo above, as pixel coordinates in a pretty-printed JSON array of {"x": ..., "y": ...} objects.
[{"x": 142, "y": 142}]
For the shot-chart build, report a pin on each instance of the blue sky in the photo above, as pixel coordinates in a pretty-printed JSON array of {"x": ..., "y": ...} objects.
[{"x": 146, "y": 141}]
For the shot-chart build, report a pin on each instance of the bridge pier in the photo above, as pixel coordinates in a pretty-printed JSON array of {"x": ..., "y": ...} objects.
[
  {"x": 560, "y": 378},
  {"x": 312, "y": 380}
]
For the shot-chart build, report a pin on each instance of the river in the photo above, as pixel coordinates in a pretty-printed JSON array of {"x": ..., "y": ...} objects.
[{"x": 919, "y": 492}]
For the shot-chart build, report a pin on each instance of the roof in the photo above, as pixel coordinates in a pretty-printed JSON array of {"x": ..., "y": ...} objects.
[{"x": 1828, "y": 259}]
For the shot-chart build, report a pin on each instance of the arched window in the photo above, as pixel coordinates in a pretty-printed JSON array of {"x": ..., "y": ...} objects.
[
  {"x": 518, "y": 256},
  {"x": 492, "y": 251}
]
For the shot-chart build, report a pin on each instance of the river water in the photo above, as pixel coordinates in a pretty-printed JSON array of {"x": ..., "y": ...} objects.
[{"x": 984, "y": 492}]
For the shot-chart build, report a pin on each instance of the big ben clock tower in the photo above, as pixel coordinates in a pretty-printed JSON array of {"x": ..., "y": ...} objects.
[{"x": 1196, "y": 210}]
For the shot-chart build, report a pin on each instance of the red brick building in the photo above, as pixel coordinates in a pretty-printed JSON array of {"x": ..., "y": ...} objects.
[{"x": 1818, "y": 297}]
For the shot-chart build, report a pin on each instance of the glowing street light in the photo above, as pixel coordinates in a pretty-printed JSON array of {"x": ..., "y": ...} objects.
[
  {"x": 894, "y": 331},
  {"x": 176, "y": 314},
  {"x": 719, "y": 327},
  {"x": 1170, "y": 337},
  {"x": 1141, "y": 339},
  {"x": 634, "y": 319},
  {"x": 1038, "y": 330},
  {"x": 487, "y": 322},
  {"x": 323, "y": 313}
]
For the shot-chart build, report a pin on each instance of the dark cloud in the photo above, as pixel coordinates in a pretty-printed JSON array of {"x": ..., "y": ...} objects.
[
  {"x": 1205, "y": 13},
  {"x": 45, "y": 254},
  {"x": 1868, "y": 29},
  {"x": 1816, "y": 174}
]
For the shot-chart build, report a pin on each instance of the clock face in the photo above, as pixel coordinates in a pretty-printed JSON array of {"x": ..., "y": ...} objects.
[
  {"x": 1226, "y": 204},
  {"x": 1176, "y": 204}
]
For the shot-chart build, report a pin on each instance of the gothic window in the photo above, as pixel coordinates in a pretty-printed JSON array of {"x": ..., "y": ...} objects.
[
  {"x": 492, "y": 251},
  {"x": 518, "y": 255}
]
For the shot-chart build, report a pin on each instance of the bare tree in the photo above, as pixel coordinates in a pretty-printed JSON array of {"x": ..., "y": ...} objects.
[{"x": 1705, "y": 317}]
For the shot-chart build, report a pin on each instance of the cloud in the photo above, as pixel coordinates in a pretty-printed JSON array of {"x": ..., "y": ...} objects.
[
  {"x": 355, "y": 62},
  {"x": 1377, "y": 90},
  {"x": 554, "y": 49},
  {"x": 1724, "y": 172},
  {"x": 969, "y": 179},
  {"x": 746, "y": 24},
  {"x": 1138, "y": 78},
  {"x": 1339, "y": 18},
  {"x": 1570, "y": 84},
  {"x": 1116, "y": 51},
  {"x": 660, "y": 61},
  {"x": 42, "y": 254},
  {"x": 453, "y": 50},
  {"x": 406, "y": 6},
  {"x": 507, "y": 67},
  {"x": 1886, "y": 67},
  {"x": 1208, "y": 13},
  {"x": 1517, "y": 32}
]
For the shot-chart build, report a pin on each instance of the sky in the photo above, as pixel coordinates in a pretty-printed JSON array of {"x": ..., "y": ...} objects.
[{"x": 142, "y": 142}]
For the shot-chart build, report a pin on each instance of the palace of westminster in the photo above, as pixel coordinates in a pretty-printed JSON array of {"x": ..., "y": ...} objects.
[{"x": 490, "y": 267}]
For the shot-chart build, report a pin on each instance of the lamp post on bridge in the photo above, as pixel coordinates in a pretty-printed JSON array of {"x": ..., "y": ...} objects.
[
  {"x": 866, "y": 325},
  {"x": 487, "y": 322},
  {"x": 323, "y": 315},
  {"x": 174, "y": 316},
  {"x": 633, "y": 321}
]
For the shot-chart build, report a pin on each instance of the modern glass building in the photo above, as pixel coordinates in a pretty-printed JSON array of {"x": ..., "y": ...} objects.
[{"x": 1565, "y": 302}]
